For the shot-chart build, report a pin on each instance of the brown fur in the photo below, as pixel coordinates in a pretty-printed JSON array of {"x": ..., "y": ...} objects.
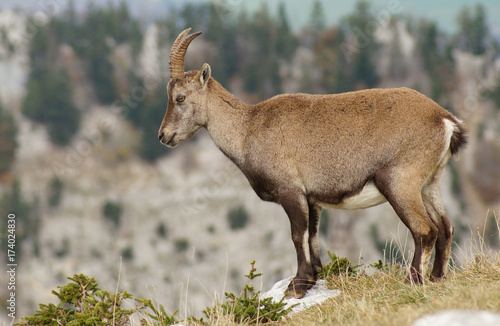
[{"x": 307, "y": 151}]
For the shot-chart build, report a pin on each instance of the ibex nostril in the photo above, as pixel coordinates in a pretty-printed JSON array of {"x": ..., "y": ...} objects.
[{"x": 160, "y": 136}]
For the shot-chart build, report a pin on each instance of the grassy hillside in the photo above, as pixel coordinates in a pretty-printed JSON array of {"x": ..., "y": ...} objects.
[
  {"x": 385, "y": 298},
  {"x": 375, "y": 295}
]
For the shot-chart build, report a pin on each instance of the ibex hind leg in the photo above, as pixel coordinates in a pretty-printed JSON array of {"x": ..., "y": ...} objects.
[
  {"x": 314, "y": 217},
  {"x": 432, "y": 201},
  {"x": 404, "y": 194}
]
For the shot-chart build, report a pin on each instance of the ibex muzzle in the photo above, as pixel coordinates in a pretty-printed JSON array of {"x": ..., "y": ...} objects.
[{"x": 351, "y": 150}]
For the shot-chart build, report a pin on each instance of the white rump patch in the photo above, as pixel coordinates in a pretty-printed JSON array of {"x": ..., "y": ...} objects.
[
  {"x": 450, "y": 127},
  {"x": 368, "y": 197}
]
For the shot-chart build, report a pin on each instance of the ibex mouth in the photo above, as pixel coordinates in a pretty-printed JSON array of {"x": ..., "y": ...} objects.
[{"x": 170, "y": 142}]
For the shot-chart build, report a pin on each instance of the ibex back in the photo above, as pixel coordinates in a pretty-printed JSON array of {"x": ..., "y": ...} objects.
[{"x": 349, "y": 151}]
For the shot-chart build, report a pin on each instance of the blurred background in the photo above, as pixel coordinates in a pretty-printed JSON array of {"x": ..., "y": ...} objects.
[{"x": 82, "y": 95}]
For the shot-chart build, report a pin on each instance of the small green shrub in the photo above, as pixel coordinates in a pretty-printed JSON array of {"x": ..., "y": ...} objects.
[
  {"x": 249, "y": 308},
  {"x": 237, "y": 217},
  {"x": 128, "y": 253},
  {"x": 8, "y": 143},
  {"x": 162, "y": 230},
  {"x": 159, "y": 314},
  {"x": 380, "y": 245},
  {"x": 324, "y": 222},
  {"x": 113, "y": 212},
  {"x": 338, "y": 266},
  {"x": 181, "y": 244},
  {"x": 495, "y": 95},
  {"x": 82, "y": 302},
  {"x": 380, "y": 266},
  {"x": 55, "y": 192},
  {"x": 64, "y": 250}
]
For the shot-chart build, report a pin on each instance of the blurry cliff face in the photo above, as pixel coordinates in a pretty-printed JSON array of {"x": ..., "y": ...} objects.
[
  {"x": 478, "y": 82},
  {"x": 106, "y": 199},
  {"x": 14, "y": 56}
]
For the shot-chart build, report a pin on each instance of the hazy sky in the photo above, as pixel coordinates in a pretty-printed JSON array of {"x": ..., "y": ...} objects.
[
  {"x": 299, "y": 11},
  {"x": 442, "y": 11}
]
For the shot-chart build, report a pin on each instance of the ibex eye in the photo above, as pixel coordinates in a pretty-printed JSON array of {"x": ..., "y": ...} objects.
[{"x": 180, "y": 98}]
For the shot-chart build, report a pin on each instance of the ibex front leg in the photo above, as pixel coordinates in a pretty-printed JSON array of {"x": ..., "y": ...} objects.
[{"x": 297, "y": 210}]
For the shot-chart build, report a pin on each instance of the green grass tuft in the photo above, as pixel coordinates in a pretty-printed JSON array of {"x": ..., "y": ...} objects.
[
  {"x": 338, "y": 266},
  {"x": 82, "y": 302},
  {"x": 249, "y": 308}
]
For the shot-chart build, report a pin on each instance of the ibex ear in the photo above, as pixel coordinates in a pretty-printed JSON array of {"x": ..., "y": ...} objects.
[{"x": 204, "y": 75}]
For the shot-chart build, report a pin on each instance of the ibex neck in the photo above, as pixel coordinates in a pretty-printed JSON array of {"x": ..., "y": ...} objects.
[{"x": 226, "y": 121}]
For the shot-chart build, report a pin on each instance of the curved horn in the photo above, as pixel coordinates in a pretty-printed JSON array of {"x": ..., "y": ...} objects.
[
  {"x": 179, "y": 38},
  {"x": 178, "y": 51}
]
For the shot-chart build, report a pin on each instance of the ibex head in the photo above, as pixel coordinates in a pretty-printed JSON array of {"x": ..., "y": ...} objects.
[{"x": 186, "y": 95}]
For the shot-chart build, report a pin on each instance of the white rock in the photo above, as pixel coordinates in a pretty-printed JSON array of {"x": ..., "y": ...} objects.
[
  {"x": 316, "y": 295},
  {"x": 460, "y": 318}
]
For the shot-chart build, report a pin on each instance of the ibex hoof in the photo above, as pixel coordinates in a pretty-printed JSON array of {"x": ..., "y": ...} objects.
[
  {"x": 414, "y": 279},
  {"x": 298, "y": 288},
  {"x": 437, "y": 278}
]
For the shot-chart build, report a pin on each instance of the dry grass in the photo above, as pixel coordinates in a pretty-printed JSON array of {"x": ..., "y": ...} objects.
[{"x": 386, "y": 298}]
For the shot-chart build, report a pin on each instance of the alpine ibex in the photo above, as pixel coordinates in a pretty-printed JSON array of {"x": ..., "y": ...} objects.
[{"x": 351, "y": 150}]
